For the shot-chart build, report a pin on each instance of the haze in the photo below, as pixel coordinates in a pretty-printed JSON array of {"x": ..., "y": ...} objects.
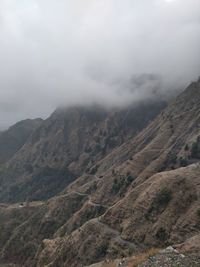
[{"x": 93, "y": 51}]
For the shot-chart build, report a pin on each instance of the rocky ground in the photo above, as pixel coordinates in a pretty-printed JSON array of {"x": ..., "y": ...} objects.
[
  {"x": 168, "y": 257},
  {"x": 171, "y": 259}
]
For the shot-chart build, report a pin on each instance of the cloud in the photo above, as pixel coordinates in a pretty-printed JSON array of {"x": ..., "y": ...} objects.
[{"x": 82, "y": 51}]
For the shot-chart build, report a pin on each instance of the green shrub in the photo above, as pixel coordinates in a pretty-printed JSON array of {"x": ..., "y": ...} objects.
[
  {"x": 102, "y": 249},
  {"x": 121, "y": 184},
  {"x": 195, "y": 149},
  {"x": 173, "y": 159},
  {"x": 116, "y": 187},
  {"x": 198, "y": 213},
  {"x": 129, "y": 180},
  {"x": 162, "y": 234},
  {"x": 93, "y": 170},
  {"x": 183, "y": 162},
  {"x": 113, "y": 172},
  {"x": 186, "y": 147},
  {"x": 164, "y": 196}
]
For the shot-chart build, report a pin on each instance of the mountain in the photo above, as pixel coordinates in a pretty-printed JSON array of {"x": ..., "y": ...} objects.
[
  {"x": 140, "y": 194},
  {"x": 15, "y": 137},
  {"x": 151, "y": 197},
  {"x": 68, "y": 144}
]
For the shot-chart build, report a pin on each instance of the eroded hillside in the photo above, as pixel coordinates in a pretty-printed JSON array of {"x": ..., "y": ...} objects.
[
  {"x": 142, "y": 193},
  {"x": 68, "y": 144}
]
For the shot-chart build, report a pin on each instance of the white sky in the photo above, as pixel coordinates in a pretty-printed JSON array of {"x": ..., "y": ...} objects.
[{"x": 55, "y": 52}]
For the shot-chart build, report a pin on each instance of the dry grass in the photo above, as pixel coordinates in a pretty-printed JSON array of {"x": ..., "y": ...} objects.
[{"x": 140, "y": 258}]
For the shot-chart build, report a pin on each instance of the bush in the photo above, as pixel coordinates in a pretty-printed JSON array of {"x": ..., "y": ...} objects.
[
  {"x": 195, "y": 150},
  {"x": 93, "y": 170},
  {"x": 186, "y": 147},
  {"x": 198, "y": 212},
  {"x": 129, "y": 179},
  {"x": 173, "y": 159},
  {"x": 116, "y": 186},
  {"x": 164, "y": 197},
  {"x": 113, "y": 172},
  {"x": 102, "y": 249},
  {"x": 183, "y": 162},
  {"x": 161, "y": 234}
]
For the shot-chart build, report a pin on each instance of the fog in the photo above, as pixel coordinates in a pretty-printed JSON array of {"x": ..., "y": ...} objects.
[{"x": 111, "y": 52}]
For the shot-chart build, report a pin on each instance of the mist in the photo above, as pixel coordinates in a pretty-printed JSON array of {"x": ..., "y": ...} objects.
[{"x": 70, "y": 52}]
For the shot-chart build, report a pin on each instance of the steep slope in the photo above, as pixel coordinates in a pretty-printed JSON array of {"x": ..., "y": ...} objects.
[
  {"x": 68, "y": 144},
  {"x": 144, "y": 208},
  {"x": 15, "y": 137},
  {"x": 137, "y": 196},
  {"x": 163, "y": 210},
  {"x": 169, "y": 142}
]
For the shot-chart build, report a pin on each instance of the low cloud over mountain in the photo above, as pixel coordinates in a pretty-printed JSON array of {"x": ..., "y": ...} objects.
[{"x": 85, "y": 51}]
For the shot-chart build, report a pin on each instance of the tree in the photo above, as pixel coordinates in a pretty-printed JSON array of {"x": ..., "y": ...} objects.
[
  {"x": 195, "y": 151},
  {"x": 183, "y": 162}
]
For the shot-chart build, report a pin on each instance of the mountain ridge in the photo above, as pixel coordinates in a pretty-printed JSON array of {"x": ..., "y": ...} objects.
[
  {"x": 12, "y": 139},
  {"x": 144, "y": 193},
  {"x": 67, "y": 144}
]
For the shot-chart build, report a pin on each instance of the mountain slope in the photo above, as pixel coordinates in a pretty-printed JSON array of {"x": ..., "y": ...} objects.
[
  {"x": 167, "y": 203},
  {"x": 138, "y": 195},
  {"x": 161, "y": 211},
  {"x": 66, "y": 145},
  {"x": 15, "y": 137}
]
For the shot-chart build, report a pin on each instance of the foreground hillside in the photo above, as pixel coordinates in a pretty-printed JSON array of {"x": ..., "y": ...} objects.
[
  {"x": 169, "y": 257},
  {"x": 71, "y": 229},
  {"x": 142, "y": 193}
]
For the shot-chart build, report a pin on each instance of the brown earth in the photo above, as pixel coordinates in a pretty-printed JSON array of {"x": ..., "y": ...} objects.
[{"x": 143, "y": 193}]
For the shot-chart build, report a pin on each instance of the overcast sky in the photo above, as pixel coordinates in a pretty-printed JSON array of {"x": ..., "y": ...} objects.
[{"x": 55, "y": 52}]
